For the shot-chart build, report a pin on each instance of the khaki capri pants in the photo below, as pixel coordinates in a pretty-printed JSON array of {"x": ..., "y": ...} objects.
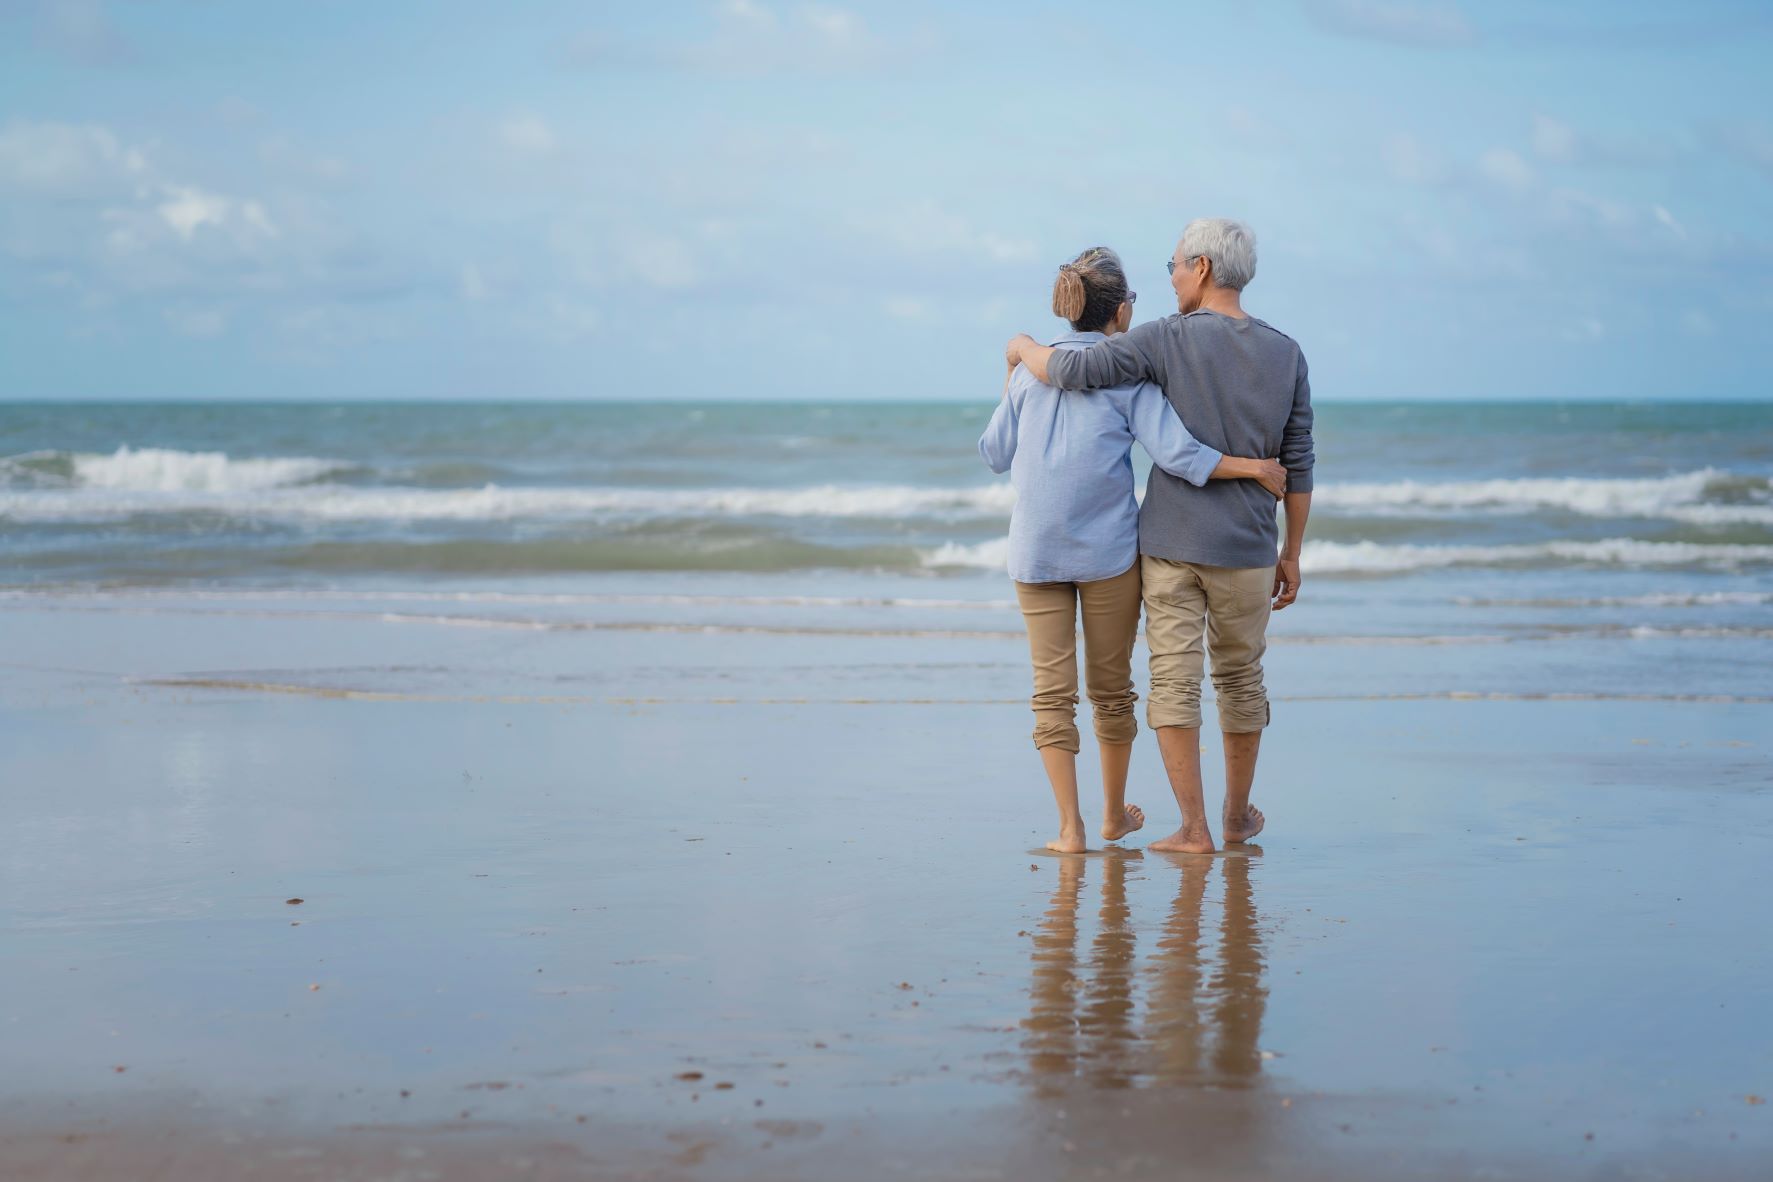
[
  {"x": 1228, "y": 607},
  {"x": 1110, "y": 624}
]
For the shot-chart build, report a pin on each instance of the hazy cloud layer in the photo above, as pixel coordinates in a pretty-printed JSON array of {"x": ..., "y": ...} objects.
[{"x": 770, "y": 198}]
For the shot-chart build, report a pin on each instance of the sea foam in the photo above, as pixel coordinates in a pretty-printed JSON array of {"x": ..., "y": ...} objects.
[
  {"x": 154, "y": 469},
  {"x": 1357, "y": 558},
  {"x": 1680, "y": 497},
  {"x": 260, "y": 488},
  {"x": 1378, "y": 558}
]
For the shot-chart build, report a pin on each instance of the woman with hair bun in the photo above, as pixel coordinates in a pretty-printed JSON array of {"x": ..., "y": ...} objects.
[{"x": 1074, "y": 535}]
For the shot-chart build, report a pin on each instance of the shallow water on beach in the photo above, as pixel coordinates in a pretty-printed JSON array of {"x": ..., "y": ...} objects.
[{"x": 557, "y": 870}]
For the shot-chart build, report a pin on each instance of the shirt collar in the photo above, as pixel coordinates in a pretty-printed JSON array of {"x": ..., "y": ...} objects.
[{"x": 1089, "y": 338}]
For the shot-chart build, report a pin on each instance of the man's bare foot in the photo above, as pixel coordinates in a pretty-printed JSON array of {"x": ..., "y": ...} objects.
[
  {"x": 1193, "y": 838},
  {"x": 1245, "y": 827},
  {"x": 1132, "y": 818},
  {"x": 1071, "y": 841}
]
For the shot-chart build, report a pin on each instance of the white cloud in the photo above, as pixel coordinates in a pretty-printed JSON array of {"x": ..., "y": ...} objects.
[
  {"x": 1005, "y": 250},
  {"x": 748, "y": 12},
  {"x": 565, "y": 321},
  {"x": 1668, "y": 219},
  {"x": 66, "y": 159},
  {"x": 1553, "y": 139},
  {"x": 1422, "y": 25},
  {"x": 81, "y": 30},
  {"x": 927, "y": 227},
  {"x": 1505, "y": 167},
  {"x": 1697, "y": 323},
  {"x": 751, "y": 38},
  {"x": 280, "y": 155},
  {"x": 199, "y": 322},
  {"x": 1558, "y": 142},
  {"x": 1413, "y": 162},
  {"x": 187, "y": 208},
  {"x": 662, "y": 261},
  {"x": 528, "y": 135},
  {"x": 993, "y": 311},
  {"x": 471, "y": 284},
  {"x": 837, "y": 27},
  {"x": 1603, "y": 212},
  {"x": 1751, "y": 143},
  {"x": 93, "y": 222},
  {"x": 594, "y": 253},
  {"x": 1585, "y": 330}
]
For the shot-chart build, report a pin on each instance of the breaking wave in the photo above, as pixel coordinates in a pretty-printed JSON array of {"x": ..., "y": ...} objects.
[{"x": 1705, "y": 497}]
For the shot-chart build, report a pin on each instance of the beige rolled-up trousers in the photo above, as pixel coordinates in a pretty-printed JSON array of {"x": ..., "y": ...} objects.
[
  {"x": 1110, "y": 624},
  {"x": 1229, "y": 607}
]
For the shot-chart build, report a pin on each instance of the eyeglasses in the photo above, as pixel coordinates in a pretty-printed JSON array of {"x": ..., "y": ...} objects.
[
  {"x": 1132, "y": 297},
  {"x": 1170, "y": 266}
]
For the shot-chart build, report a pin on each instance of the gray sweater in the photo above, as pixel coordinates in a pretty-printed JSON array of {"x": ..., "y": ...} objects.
[{"x": 1240, "y": 387}]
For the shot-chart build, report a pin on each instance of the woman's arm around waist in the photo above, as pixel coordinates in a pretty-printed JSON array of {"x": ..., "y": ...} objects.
[{"x": 1172, "y": 447}]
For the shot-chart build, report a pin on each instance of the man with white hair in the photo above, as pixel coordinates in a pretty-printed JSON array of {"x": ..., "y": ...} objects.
[{"x": 1209, "y": 554}]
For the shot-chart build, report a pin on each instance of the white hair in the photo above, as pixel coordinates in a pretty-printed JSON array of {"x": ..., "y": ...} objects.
[{"x": 1229, "y": 245}]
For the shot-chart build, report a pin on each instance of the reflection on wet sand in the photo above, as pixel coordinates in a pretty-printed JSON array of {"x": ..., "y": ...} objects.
[{"x": 1203, "y": 991}]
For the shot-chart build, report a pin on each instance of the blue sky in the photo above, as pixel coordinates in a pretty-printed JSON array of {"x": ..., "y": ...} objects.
[{"x": 768, "y": 198}]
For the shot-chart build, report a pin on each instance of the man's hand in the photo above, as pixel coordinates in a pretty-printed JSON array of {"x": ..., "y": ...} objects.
[
  {"x": 1012, "y": 352},
  {"x": 1286, "y": 582}
]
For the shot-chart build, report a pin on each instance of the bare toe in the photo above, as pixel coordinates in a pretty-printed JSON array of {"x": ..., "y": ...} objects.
[
  {"x": 1246, "y": 827},
  {"x": 1132, "y": 818}
]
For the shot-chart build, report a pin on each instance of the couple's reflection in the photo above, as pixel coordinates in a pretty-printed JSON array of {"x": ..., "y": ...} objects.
[{"x": 1202, "y": 986}]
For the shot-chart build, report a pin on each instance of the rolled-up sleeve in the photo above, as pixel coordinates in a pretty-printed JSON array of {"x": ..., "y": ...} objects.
[
  {"x": 1134, "y": 356},
  {"x": 997, "y": 447},
  {"x": 1163, "y": 435},
  {"x": 1298, "y": 452}
]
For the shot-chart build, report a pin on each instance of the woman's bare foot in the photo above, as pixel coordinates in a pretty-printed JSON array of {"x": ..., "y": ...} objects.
[
  {"x": 1071, "y": 841},
  {"x": 1245, "y": 827},
  {"x": 1194, "y": 838},
  {"x": 1132, "y": 818}
]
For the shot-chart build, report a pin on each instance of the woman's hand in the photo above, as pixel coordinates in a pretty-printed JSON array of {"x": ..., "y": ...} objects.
[{"x": 1271, "y": 476}]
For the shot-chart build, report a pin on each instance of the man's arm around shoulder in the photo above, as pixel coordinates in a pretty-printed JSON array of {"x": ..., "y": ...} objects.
[{"x": 1133, "y": 356}]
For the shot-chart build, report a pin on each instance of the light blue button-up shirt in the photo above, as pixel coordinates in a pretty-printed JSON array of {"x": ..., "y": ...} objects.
[{"x": 1069, "y": 454}]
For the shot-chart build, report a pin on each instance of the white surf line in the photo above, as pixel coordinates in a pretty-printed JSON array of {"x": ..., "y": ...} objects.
[
  {"x": 1541, "y": 634},
  {"x": 94, "y": 591},
  {"x": 350, "y": 694},
  {"x": 693, "y": 628}
]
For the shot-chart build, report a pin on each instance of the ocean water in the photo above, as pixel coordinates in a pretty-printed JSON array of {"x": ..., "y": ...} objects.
[{"x": 1605, "y": 528}]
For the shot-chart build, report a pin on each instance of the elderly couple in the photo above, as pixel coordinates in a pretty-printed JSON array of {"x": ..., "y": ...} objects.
[{"x": 1200, "y": 391}]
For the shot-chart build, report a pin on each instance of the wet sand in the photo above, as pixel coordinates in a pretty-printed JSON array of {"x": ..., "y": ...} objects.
[{"x": 759, "y": 906}]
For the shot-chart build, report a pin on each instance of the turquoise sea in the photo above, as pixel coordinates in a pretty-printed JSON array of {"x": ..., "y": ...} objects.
[{"x": 1638, "y": 538}]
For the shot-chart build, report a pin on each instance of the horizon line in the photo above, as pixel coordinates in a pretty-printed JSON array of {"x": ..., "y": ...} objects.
[{"x": 570, "y": 400}]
